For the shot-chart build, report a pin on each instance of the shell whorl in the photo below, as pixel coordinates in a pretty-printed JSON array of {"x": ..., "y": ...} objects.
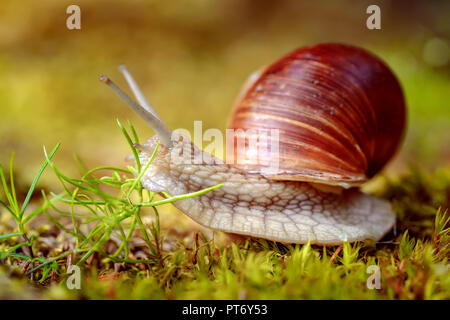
[{"x": 340, "y": 112}]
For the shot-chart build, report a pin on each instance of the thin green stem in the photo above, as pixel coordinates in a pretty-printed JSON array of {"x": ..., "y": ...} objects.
[
  {"x": 180, "y": 197},
  {"x": 36, "y": 178}
]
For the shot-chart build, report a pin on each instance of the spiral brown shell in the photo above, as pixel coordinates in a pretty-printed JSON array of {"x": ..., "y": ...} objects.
[{"x": 340, "y": 112}]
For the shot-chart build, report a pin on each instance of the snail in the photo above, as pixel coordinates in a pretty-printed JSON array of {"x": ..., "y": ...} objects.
[{"x": 340, "y": 114}]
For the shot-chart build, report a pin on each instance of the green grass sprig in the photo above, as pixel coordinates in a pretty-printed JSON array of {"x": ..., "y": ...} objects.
[
  {"x": 88, "y": 201},
  {"x": 13, "y": 207}
]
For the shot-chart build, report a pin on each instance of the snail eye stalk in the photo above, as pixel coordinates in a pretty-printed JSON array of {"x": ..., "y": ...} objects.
[
  {"x": 137, "y": 91},
  {"x": 153, "y": 120}
]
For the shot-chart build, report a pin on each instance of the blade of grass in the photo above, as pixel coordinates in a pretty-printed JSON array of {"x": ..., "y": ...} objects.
[
  {"x": 11, "y": 182},
  {"x": 94, "y": 248},
  {"x": 62, "y": 255},
  {"x": 10, "y": 235},
  {"x": 130, "y": 142},
  {"x": 141, "y": 174},
  {"x": 104, "y": 168},
  {"x": 36, "y": 179},
  {"x": 9, "y": 209},
  {"x": 15, "y": 255},
  {"x": 17, "y": 246},
  {"x": 180, "y": 197},
  {"x": 76, "y": 182},
  {"x": 144, "y": 233},
  {"x": 39, "y": 210},
  {"x": 8, "y": 194},
  {"x": 127, "y": 239},
  {"x": 133, "y": 132}
]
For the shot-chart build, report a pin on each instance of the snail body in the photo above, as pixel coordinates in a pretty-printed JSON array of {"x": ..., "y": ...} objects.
[
  {"x": 341, "y": 117},
  {"x": 254, "y": 205}
]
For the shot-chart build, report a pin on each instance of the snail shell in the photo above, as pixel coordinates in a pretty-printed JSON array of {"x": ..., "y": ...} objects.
[{"x": 340, "y": 112}]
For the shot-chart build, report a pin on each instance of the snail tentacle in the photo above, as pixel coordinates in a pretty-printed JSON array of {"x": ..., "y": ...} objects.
[
  {"x": 140, "y": 97},
  {"x": 163, "y": 132}
]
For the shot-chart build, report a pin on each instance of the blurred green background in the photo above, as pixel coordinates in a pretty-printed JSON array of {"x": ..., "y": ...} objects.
[{"x": 191, "y": 58}]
